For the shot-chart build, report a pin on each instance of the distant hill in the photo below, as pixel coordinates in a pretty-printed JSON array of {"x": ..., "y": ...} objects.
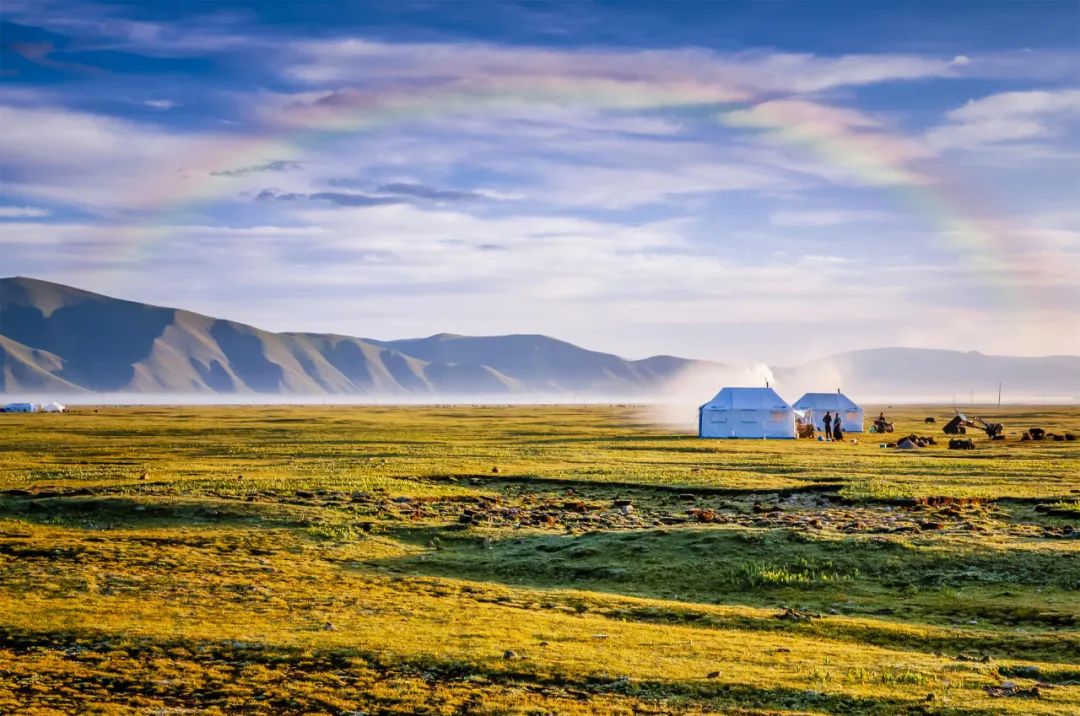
[
  {"x": 57, "y": 339},
  {"x": 938, "y": 374},
  {"x": 543, "y": 363}
]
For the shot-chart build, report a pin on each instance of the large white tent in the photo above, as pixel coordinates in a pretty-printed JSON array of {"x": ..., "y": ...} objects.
[
  {"x": 836, "y": 403},
  {"x": 746, "y": 413}
]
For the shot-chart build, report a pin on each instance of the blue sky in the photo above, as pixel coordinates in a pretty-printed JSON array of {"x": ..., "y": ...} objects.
[{"x": 734, "y": 181}]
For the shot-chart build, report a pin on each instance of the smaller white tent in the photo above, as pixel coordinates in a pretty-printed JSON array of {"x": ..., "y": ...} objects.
[
  {"x": 20, "y": 408},
  {"x": 746, "y": 413},
  {"x": 836, "y": 403},
  {"x": 54, "y": 408}
]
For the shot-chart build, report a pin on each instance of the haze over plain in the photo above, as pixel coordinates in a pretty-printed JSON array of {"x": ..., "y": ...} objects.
[{"x": 62, "y": 341}]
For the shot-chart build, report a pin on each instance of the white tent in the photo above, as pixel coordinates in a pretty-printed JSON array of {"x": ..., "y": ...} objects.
[
  {"x": 54, "y": 408},
  {"x": 746, "y": 413},
  {"x": 836, "y": 403},
  {"x": 20, "y": 408}
]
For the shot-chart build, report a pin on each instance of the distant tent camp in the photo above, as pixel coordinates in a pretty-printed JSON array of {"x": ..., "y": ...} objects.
[
  {"x": 835, "y": 403},
  {"x": 54, "y": 408},
  {"x": 746, "y": 413},
  {"x": 20, "y": 408}
]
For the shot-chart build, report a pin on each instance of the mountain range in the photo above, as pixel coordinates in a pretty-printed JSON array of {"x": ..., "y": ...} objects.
[
  {"x": 61, "y": 339},
  {"x": 58, "y": 339}
]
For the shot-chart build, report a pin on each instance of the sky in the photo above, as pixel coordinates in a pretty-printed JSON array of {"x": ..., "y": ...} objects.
[{"x": 731, "y": 181}]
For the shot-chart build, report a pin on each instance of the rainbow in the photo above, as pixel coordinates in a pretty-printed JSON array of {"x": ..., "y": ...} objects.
[
  {"x": 166, "y": 201},
  {"x": 843, "y": 139},
  {"x": 856, "y": 145}
]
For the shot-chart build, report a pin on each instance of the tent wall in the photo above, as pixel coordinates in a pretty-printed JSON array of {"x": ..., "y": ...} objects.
[
  {"x": 853, "y": 421},
  {"x": 746, "y": 413},
  {"x": 821, "y": 403},
  {"x": 746, "y": 424}
]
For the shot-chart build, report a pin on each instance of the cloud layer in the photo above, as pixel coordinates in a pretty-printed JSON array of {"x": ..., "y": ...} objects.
[{"x": 640, "y": 197}]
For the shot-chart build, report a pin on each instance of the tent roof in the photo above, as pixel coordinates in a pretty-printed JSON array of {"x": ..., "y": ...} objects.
[
  {"x": 747, "y": 399},
  {"x": 826, "y": 401}
]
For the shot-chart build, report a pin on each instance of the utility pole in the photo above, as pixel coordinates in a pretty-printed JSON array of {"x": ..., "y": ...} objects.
[{"x": 999, "y": 395}]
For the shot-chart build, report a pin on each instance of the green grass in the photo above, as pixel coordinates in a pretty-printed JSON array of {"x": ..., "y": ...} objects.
[{"x": 479, "y": 560}]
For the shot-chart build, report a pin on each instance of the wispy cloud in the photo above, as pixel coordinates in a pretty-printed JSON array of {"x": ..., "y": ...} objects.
[
  {"x": 384, "y": 195},
  {"x": 828, "y": 217},
  {"x": 276, "y": 165},
  {"x": 1008, "y": 117},
  {"x": 851, "y": 140},
  {"x": 740, "y": 74},
  {"x": 161, "y": 104},
  {"x": 44, "y": 54},
  {"x": 423, "y": 191},
  {"x": 105, "y": 26},
  {"x": 23, "y": 212},
  {"x": 110, "y": 164},
  {"x": 340, "y": 198}
]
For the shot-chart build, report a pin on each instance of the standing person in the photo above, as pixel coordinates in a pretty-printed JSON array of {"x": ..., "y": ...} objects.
[
  {"x": 828, "y": 425},
  {"x": 837, "y": 433}
]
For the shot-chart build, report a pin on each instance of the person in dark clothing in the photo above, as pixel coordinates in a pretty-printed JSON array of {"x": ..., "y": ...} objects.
[
  {"x": 827, "y": 420},
  {"x": 837, "y": 433}
]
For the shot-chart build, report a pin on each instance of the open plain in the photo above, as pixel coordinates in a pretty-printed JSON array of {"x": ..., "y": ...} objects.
[{"x": 531, "y": 560}]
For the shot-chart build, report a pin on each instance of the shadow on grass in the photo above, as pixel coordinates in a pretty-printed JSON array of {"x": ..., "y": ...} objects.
[
  {"x": 543, "y": 437},
  {"x": 542, "y": 483},
  {"x": 903, "y": 583},
  {"x": 118, "y": 512},
  {"x": 313, "y": 666}
]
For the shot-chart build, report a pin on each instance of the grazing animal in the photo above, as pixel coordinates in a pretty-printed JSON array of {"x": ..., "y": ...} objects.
[
  {"x": 1070, "y": 437},
  {"x": 930, "y": 421},
  {"x": 961, "y": 444},
  {"x": 1037, "y": 433}
]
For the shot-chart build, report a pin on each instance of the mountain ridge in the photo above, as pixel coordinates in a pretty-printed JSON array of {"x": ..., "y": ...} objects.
[
  {"x": 90, "y": 341},
  {"x": 62, "y": 339}
]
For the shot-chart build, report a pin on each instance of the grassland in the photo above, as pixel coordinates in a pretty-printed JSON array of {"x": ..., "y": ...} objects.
[{"x": 453, "y": 560}]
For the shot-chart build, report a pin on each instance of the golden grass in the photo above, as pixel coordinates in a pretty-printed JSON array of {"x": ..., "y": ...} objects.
[{"x": 368, "y": 559}]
